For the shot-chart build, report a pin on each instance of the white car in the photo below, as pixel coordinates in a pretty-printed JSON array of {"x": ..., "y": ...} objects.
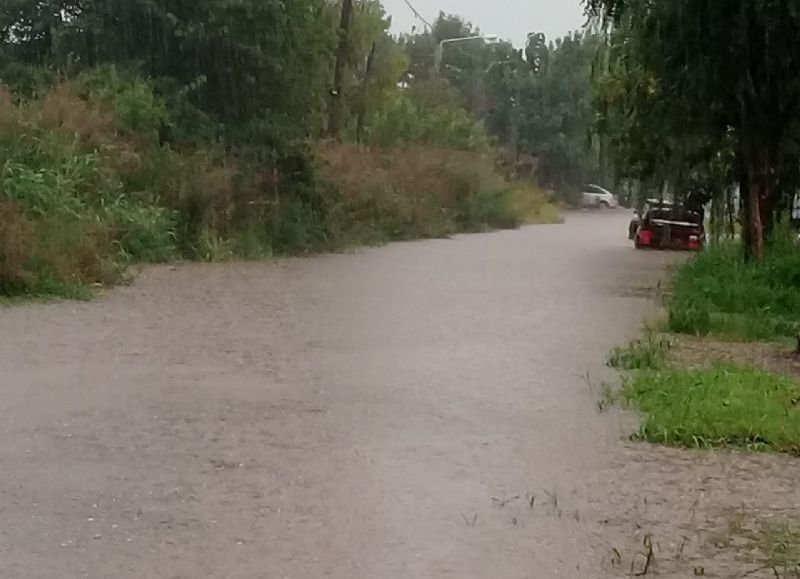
[{"x": 596, "y": 197}]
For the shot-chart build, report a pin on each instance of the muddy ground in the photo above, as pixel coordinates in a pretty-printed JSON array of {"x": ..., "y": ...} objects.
[{"x": 420, "y": 410}]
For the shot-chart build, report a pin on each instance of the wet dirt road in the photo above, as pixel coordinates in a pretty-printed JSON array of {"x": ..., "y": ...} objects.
[{"x": 422, "y": 410}]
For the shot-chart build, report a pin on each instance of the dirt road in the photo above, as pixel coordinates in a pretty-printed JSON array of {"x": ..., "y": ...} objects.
[{"x": 422, "y": 410}]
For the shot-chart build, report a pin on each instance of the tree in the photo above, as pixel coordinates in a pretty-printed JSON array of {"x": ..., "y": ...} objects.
[
  {"x": 716, "y": 67},
  {"x": 556, "y": 111},
  {"x": 238, "y": 60}
]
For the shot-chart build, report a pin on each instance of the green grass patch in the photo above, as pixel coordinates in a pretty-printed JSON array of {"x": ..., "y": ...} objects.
[
  {"x": 726, "y": 406},
  {"x": 720, "y": 293}
]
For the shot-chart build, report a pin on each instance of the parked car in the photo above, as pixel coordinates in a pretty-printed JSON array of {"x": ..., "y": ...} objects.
[
  {"x": 650, "y": 205},
  {"x": 594, "y": 196},
  {"x": 671, "y": 228}
]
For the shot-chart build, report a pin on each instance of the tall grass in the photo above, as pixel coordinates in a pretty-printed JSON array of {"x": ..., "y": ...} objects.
[
  {"x": 406, "y": 193},
  {"x": 67, "y": 219},
  {"x": 719, "y": 292},
  {"x": 649, "y": 353},
  {"x": 90, "y": 183}
]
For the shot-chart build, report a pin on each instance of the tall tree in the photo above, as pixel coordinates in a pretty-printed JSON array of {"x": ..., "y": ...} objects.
[
  {"x": 716, "y": 66},
  {"x": 238, "y": 60}
]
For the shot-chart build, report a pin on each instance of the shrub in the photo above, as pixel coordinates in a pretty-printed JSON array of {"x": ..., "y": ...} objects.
[
  {"x": 68, "y": 220},
  {"x": 137, "y": 110},
  {"x": 414, "y": 119}
]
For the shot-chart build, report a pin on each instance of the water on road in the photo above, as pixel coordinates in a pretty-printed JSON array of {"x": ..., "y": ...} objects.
[{"x": 421, "y": 410}]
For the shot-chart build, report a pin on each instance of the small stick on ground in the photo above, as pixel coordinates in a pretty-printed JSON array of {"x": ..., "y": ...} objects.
[
  {"x": 649, "y": 560},
  {"x": 754, "y": 571},
  {"x": 501, "y": 504}
]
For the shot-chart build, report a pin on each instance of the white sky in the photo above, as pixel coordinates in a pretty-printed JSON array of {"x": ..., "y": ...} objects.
[{"x": 510, "y": 19}]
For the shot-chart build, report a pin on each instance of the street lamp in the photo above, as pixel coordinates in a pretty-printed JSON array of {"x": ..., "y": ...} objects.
[{"x": 491, "y": 39}]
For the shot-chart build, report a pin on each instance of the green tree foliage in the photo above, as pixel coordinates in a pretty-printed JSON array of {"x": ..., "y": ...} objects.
[
  {"x": 237, "y": 60},
  {"x": 427, "y": 113},
  {"x": 556, "y": 103},
  {"x": 142, "y": 130},
  {"x": 703, "y": 70},
  {"x": 537, "y": 103}
]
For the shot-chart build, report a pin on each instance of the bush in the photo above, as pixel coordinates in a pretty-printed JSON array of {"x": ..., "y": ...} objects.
[
  {"x": 432, "y": 120},
  {"x": 16, "y": 235},
  {"x": 68, "y": 220},
  {"x": 136, "y": 108}
]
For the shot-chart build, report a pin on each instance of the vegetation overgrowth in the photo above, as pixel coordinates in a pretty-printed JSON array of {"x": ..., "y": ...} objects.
[
  {"x": 721, "y": 293},
  {"x": 694, "y": 96},
  {"x": 87, "y": 188},
  {"x": 144, "y": 131},
  {"x": 705, "y": 403}
]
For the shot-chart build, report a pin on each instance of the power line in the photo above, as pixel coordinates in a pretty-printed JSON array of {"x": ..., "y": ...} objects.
[{"x": 417, "y": 14}]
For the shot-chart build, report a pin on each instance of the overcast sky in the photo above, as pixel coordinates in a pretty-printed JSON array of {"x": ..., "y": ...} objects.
[{"x": 510, "y": 19}]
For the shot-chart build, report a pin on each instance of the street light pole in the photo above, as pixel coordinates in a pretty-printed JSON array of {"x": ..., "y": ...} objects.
[{"x": 437, "y": 63}]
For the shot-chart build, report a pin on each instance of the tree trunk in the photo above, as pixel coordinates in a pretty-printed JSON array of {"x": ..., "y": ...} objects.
[
  {"x": 730, "y": 211},
  {"x": 362, "y": 110},
  {"x": 336, "y": 113},
  {"x": 717, "y": 216},
  {"x": 758, "y": 200}
]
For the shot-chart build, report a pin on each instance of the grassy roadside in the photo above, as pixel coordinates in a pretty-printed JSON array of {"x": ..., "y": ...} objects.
[
  {"x": 707, "y": 401},
  {"x": 90, "y": 186},
  {"x": 723, "y": 406},
  {"x": 719, "y": 294},
  {"x": 723, "y": 373}
]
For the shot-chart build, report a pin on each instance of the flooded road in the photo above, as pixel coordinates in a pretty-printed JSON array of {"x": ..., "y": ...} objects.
[{"x": 421, "y": 410}]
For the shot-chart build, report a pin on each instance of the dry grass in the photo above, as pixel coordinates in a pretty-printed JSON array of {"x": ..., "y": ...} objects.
[
  {"x": 429, "y": 192},
  {"x": 16, "y": 235},
  {"x": 359, "y": 172},
  {"x": 62, "y": 109}
]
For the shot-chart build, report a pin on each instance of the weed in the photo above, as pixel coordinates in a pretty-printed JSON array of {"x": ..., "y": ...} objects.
[
  {"x": 780, "y": 546},
  {"x": 648, "y": 353},
  {"x": 607, "y": 398}
]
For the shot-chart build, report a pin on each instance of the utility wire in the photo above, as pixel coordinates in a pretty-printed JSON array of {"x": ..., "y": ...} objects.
[{"x": 417, "y": 14}]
